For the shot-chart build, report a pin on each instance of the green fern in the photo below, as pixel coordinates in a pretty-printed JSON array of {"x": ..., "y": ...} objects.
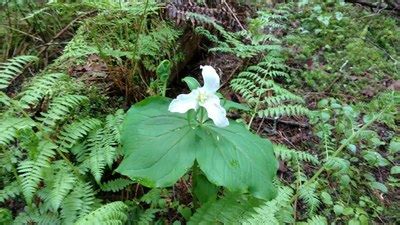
[
  {"x": 116, "y": 184},
  {"x": 274, "y": 211},
  {"x": 308, "y": 194},
  {"x": 100, "y": 148},
  {"x": 315, "y": 220},
  {"x": 11, "y": 190},
  {"x": 31, "y": 170},
  {"x": 60, "y": 108},
  {"x": 263, "y": 95},
  {"x": 111, "y": 213},
  {"x": 72, "y": 133},
  {"x": 148, "y": 216},
  {"x": 60, "y": 182},
  {"x": 40, "y": 87},
  {"x": 228, "y": 210},
  {"x": 10, "y": 126},
  {"x": 12, "y": 68},
  {"x": 78, "y": 203},
  {"x": 292, "y": 155}
]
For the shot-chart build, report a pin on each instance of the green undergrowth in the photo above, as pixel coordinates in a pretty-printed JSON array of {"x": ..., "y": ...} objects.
[{"x": 344, "y": 51}]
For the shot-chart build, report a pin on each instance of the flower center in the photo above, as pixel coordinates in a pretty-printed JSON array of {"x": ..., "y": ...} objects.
[{"x": 202, "y": 97}]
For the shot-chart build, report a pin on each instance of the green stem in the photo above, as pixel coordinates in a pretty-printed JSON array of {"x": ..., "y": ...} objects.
[
  {"x": 142, "y": 20},
  {"x": 195, "y": 174},
  {"x": 254, "y": 114}
]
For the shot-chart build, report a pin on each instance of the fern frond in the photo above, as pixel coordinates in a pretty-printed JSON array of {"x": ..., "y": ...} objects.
[
  {"x": 100, "y": 148},
  {"x": 60, "y": 108},
  {"x": 316, "y": 220},
  {"x": 287, "y": 154},
  {"x": 10, "y": 126},
  {"x": 271, "y": 212},
  {"x": 338, "y": 164},
  {"x": 62, "y": 183},
  {"x": 12, "y": 68},
  {"x": 11, "y": 190},
  {"x": 40, "y": 87},
  {"x": 228, "y": 210},
  {"x": 5, "y": 101},
  {"x": 308, "y": 194},
  {"x": 284, "y": 110},
  {"x": 116, "y": 184},
  {"x": 258, "y": 89},
  {"x": 36, "y": 216},
  {"x": 79, "y": 202},
  {"x": 73, "y": 132},
  {"x": 148, "y": 216},
  {"x": 111, "y": 213},
  {"x": 31, "y": 170}
]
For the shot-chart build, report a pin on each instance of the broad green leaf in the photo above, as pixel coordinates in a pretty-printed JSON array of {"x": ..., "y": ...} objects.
[
  {"x": 191, "y": 83},
  {"x": 237, "y": 161},
  {"x": 157, "y": 145},
  {"x": 160, "y": 147}
]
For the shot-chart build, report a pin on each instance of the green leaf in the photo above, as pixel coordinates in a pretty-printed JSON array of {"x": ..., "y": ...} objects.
[
  {"x": 160, "y": 147},
  {"x": 394, "y": 145},
  {"x": 227, "y": 104},
  {"x": 395, "y": 170},
  {"x": 191, "y": 82},
  {"x": 164, "y": 70},
  {"x": 204, "y": 190},
  {"x": 326, "y": 198},
  {"x": 157, "y": 145},
  {"x": 379, "y": 186},
  {"x": 237, "y": 159},
  {"x": 338, "y": 209}
]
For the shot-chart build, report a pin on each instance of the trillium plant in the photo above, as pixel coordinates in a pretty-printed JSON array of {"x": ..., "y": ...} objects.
[{"x": 164, "y": 139}]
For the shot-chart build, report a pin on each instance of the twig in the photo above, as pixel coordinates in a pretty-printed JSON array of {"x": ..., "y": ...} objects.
[
  {"x": 62, "y": 31},
  {"x": 22, "y": 32},
  {"x": 294, "y": 123},
  {"x": 234, "y": 15}
]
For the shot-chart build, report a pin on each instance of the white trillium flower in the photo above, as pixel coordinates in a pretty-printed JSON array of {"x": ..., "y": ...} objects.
[{"x": 203, "y": 97}]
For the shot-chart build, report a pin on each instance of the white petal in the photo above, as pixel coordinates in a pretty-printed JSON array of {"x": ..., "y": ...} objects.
[
  {"x": 211, "y": 78},
  {"x": 215, "y": 111},
  {"x": 184, "y": 102}
]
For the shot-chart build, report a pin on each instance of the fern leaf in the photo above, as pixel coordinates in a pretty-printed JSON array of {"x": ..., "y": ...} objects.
[
  {"x": 308, "y": 194},
  {"x": 271, "y": 212},
  {"x": 40, "y": 87},
  {"x": 80, "y": 201},
  {"x": 228, "y": 210},
  {"x": 10, "y": 126},
  {"x": 315, "y": 220},
  {"x": 9, "y": 191},
  {"x": 73, "y": 132},
  {"x": 287, "y": 154},
  {"x": 111, "y": 213},
  {"x": 64, "y": 181},
  {"x": 31, "y": 170},
  {"x": 116, "y": 184},
  {"x": 60, "y": 108},
  {"x": 12, "y": 68}
]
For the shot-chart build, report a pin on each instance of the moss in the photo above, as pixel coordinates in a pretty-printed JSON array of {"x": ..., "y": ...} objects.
[{"x": 343, "y": 48}]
